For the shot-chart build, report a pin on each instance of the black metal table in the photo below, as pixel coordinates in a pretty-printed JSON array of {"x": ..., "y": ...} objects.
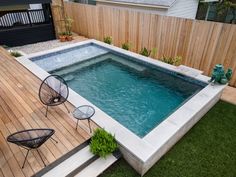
[{"x": 84, "y": 112}]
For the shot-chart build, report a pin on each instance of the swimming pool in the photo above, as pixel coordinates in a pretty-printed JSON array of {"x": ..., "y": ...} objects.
[
  {"x": 147, "y": 104},
  {"x": 137, "y": 96}
]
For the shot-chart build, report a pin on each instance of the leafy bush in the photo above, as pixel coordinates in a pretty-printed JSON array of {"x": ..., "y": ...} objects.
[
  {"x": 172, "y": 60},
  {"x": 5, "y": 46},
  {"x": 145, "y": 52},
  {"x": 102, "y": 143},
  {"x": 108, "y": 40},
  {"x": 15, "y": 54},
  {"x": 126, "y": 46}
]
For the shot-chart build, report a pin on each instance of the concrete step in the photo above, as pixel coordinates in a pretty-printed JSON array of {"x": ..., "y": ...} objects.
[
  {"x": 78, "y": 162},
  {"x": 97, "y": 167},
  {"x": 70, "y": 164}
]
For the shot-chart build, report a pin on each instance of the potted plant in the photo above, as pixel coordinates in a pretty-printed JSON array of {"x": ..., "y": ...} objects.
[
  {"x": 62, "y": 37},
  {"x": 69, "y": 36},
  {"x": 68, "y": 24},
  {"x": 102, "y": 143}
]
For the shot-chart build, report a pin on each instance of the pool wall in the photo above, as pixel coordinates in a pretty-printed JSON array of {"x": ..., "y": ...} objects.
[
  {"x": 143, "y": 166},
  {"x": 142, "y": 153}
]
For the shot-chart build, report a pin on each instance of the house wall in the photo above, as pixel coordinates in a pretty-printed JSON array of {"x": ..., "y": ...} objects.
[
  {"x": 181, "y": 8},
  {"x": 158, "y": 11},
  {"x": 184, "y": 9}
]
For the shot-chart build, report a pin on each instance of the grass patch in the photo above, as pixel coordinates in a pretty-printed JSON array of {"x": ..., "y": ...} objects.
[{"x": 207, "y": 150}]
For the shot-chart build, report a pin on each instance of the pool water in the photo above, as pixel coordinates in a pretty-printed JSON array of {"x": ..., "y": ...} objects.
[{"x": 137, "y": 96}]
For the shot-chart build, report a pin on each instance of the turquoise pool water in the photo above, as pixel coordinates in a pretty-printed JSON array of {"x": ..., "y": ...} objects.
[{"x": 137, "y": 96}]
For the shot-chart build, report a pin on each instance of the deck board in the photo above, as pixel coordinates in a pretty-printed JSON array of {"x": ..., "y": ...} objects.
[{"x": 21, "y": 109}]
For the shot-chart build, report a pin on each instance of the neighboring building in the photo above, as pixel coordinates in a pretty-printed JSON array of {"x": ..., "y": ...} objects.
[
  {"x": 208, "y": 10},
  {"x": 177, "y": 8},
  {"x": 91, "y": 2},
  {"x": 25, "y": 21}
]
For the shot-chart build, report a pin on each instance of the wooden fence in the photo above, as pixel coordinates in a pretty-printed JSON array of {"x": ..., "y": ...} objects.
[{"x": 201, "y": 44}]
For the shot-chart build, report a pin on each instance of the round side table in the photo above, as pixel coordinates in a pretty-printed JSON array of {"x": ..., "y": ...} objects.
[{"x": 84, "y": 112}]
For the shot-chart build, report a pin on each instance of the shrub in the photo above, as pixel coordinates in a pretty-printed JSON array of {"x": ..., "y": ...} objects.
[
  {"x": 15, "y": 54},
  {"x": 126, "y": 46},
  {"x": 145, "y": 52},
  {"x": 5, "y": 46},
  {"x": 172, "y": 60},
  {"x": 102, "y": 143},
  {"x": 108, "y": 40}
]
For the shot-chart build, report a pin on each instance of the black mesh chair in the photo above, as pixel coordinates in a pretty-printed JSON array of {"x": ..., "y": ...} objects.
[
  {"x": 31, "y": 139},
  {"x": 53, "y": 91}
]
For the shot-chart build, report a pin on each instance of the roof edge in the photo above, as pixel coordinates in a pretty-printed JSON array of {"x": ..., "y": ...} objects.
[
  {"x": 134, "y": 4},
  {"x": 173, "y": 3}
]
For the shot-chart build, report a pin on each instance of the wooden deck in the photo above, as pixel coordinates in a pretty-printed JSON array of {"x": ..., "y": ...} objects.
[{"x": 21, "y": 109}]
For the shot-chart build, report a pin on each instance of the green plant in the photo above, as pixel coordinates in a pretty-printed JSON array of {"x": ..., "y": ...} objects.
[
  {"x": 102, "y": 143},
  {"x": 172, "y": 60},
  {"x": 108, "y": 40},
  {"x": 154, "y": 52},
  {"x": 145, "y": 52},
  {"x": 63, "y": 33},
  {"x": 126, "y": 46},
  {"x": 15, "y": 54},
  {"x": 68, "y": 24},
  {"x": 5, "y": 46}
]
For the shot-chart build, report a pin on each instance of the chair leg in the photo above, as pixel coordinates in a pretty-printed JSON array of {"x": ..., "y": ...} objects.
[
  {"x": 77, "y": 124},
  {"x": 41, "y": 157},
  {"x": 25, "y": 158},
  {"x": 89, "y": 126},
  {"x": 66, "y": 107},
  {"x": 54, "y": 140},
  {"x": 46, "y": 115}
]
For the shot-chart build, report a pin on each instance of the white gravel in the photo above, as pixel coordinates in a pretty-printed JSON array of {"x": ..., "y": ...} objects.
[{"x": 37, "y": 47}]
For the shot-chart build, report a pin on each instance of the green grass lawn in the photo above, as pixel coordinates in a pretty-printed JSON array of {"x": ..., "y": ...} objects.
[{"x": 207, "y": 150}]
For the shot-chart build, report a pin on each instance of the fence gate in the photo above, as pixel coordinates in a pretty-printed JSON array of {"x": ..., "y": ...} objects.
[{"x": 20, "y": 27}]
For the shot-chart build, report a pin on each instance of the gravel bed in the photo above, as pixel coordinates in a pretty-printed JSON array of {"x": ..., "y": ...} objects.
[{"x": 37, "y": 47}]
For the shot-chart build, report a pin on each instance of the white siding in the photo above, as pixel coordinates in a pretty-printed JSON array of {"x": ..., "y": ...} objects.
[
  {"x": 135, "y": 8},
  {"x": 181, "y": 8},
  {"x": 184, "y": 9}
]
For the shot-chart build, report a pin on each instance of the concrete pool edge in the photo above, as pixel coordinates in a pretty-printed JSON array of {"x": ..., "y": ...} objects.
[{"x": 142, "y": 153}]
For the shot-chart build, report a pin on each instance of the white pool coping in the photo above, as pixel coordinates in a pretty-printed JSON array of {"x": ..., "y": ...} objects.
[{"x": 142, "y": 148}]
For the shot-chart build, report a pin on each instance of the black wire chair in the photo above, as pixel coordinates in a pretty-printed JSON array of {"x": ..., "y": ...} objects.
[
  {"x": 31, "y": 139},
  {"x": 53, "y": 91}
]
